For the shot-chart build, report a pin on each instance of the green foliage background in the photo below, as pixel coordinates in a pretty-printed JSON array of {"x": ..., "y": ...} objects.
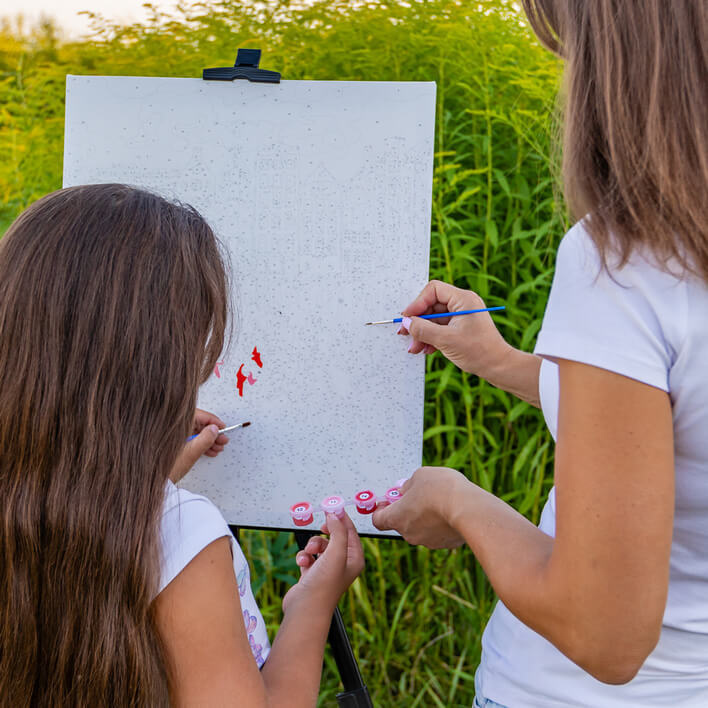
[{"x": 415, "y": 616}]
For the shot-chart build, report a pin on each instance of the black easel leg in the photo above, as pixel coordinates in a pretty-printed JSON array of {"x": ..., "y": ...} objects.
[{"x": 355, "y": 694}]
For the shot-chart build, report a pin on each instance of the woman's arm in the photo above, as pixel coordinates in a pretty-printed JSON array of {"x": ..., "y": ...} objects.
[
  {"x": 598, "y": 590},
  {"x": 200, "y": 621},
  {"x": 471, "y": 342}
]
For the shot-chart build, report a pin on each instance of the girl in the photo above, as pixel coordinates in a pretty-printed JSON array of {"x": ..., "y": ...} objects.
[
  {"x": 120, "y": 590},
  {"x": 606, "y": 604}
]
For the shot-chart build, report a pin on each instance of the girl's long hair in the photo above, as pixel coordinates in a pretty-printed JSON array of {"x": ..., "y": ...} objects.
[
  {"x": 112, "y": 312},
  {"x": 635, "y": 147}
]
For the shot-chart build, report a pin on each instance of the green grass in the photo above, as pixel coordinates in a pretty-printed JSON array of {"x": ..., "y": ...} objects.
[{"x": 415, "y": 616}]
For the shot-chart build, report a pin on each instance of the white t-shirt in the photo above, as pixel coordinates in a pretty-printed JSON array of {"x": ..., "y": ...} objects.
[
  {"x": 650, "y": 326},
  {"x": 189, "y": 524}
]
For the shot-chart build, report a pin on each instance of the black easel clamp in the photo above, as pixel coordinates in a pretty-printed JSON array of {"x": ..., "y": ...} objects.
[{"x": 246, "y": 67}]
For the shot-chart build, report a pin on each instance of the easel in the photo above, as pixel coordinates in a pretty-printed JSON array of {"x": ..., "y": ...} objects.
[{"x": 355, "y": 694}]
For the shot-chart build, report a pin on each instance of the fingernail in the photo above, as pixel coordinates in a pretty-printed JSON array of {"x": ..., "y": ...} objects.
[
  {"x": 400, "y": 329},
  {"x": 214, "y": 429},
  {"x": 429, "y": 349},
  {"x": 299, "y": 560},
  {"x": 410, "y": 346},
  {"x": 406, "y": 322}
]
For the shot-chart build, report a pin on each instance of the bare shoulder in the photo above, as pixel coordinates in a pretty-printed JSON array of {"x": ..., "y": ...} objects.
[{"x": 200, "y": 622}]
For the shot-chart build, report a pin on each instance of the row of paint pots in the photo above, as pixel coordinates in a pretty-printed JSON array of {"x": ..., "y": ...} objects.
[{"x": 365, "y": 502}]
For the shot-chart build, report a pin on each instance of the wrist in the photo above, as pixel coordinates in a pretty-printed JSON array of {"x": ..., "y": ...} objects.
[
  {"x": 312, "y": 602},
  {"x": 454, "y": 504},
  {"x": 500, "y": 364}
]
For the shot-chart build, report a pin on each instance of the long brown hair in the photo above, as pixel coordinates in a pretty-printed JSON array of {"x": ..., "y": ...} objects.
[
  {"x": 112, "y": 312},
  {"x": 635, "y": 148}
]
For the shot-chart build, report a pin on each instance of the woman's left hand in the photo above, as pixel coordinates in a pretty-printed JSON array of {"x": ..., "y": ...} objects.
[
  {"x": 423, "y": 513},
  {"x": 208, "y": 442}
]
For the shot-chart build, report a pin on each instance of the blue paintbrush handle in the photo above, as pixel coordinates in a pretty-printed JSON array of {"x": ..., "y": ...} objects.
[{"x": 454, "y": 314}]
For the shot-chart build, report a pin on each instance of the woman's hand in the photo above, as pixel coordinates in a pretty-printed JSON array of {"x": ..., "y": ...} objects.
[
  {"x": 472, "y": 342},
  {"x": 423, "y": 513},
  {"x": 328, "y": 567},
  {"x": 208, "y": 442}
]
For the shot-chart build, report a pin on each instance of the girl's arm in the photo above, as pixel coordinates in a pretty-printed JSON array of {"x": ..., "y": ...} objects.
[
  {"x": 597, "y": 590},
  {"x": 208, "y": 442},
  {"x": 201, "y": 625},
  {"x": 472, "y": 342}
]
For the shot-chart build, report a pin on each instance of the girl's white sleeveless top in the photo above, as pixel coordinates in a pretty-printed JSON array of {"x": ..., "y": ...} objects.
[
  {"x": 650, "y": 326},
  {"x": 189, "y": 524}
]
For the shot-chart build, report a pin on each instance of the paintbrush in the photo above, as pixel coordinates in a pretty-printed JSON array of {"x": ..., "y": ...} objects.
[
  {"x": 438, "y": 315},
  {"x": 224, "y": 430}
]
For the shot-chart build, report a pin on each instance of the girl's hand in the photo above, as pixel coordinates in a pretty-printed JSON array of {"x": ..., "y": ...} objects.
[
  {"x": 339, "y": 561},
  {"x": 208, "y": 442},
  {"x": 472, "y": 342},
  {"x": 423, "y": 513}
]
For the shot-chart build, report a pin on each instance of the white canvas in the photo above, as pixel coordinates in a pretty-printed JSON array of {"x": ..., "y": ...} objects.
[{"x": 321, "y": 193}]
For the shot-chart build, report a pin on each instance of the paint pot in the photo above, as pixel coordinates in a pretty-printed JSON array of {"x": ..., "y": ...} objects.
[
  {"x": 393, "y": 495},
  {"x": 333, "y": 505},
  {"x": 301, "y": 513},
  {"x": 365, "y": 501}
]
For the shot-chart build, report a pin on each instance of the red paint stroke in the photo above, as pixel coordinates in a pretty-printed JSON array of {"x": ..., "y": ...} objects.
[
  {"x": 217, "y": 373},
  {"x": 250, "y": 379},
  {"x": 240, "y": 380},
  {"x": 256, "y": 356}
]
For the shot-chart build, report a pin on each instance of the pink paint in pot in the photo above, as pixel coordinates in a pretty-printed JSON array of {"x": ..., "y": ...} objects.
[
  {"x": 333, "y": 505},
  {"x": 393, "y": 494}
]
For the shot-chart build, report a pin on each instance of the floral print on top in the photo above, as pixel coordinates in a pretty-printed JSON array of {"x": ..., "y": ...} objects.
[{"x": 189, "y": 524}]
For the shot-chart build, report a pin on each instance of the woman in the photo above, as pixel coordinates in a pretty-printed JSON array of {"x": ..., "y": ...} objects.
[{"x": 606, "y": 603}]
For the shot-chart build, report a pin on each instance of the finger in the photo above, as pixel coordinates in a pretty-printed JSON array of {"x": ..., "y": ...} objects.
[
  {"x": 429, "y": 349},
  {"x": 214, "y": 451},
  {"x": 347, "y": 524},
  {"x": 337, "y": 546},
  {"x": 196, "y": 447},
  {"x": 425, "y": 332},
  {"x": 402, "y": 328},
  {"x": 434, "y": 293},
  {"x": 407, "y": 484},
  {"x": 315, "y": 545},
  {"x": 355, "y": 551},
  {"x": 381, "y": 518},
  {"x": 303, "y": 559},
  {"x": 439, "y": 308},
  {"x": 203, "y": 418},
  {"x": 416, "y": 347}
]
